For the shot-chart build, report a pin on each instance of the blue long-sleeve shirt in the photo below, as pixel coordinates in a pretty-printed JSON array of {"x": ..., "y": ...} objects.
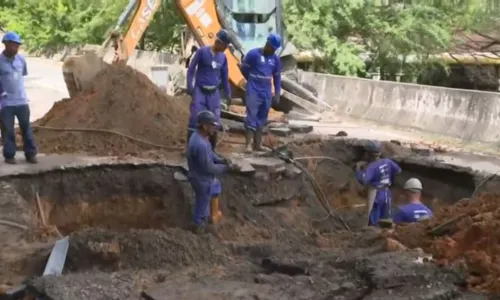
[
  {"x": 258, "y": 70},
  {"x": 379, "y": 174},
  {"x": 208, "y": 69},
  {"x": 412, "y": 212},
  {"x": 202, "y": 162}
]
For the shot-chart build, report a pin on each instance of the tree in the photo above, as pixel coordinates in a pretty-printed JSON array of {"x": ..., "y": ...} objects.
[{"x": 396, "y": 35}]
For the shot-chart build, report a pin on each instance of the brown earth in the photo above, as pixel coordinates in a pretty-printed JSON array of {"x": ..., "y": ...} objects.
[
  {"x": 120, "y": 99},
  {"x": 471, "y": 240}
]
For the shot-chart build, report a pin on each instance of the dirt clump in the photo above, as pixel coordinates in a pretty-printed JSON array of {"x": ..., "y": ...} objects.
[
  {"x": 469, "y": 239},
  {"x": 122, "y": 100},
  {"x": 141, "y": 249}
]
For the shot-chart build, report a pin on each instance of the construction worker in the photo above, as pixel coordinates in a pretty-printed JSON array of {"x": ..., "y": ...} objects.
[
  {"x": 414, "y": 210},
  {"x": 203, "y": 166},
  {"x": 14, "y": 100},
  {"x": 209, "y": 69},
  {"x": 377, "y": 176},
  {"x": 259, "y": 67}
]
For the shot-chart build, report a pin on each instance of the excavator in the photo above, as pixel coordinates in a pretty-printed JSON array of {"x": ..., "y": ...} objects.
[{"x": 248, "y": 22}]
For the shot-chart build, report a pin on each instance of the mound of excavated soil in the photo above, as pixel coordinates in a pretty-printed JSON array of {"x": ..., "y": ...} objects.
[
  {"x": 120, "y": 99},
  {"x": 471, "y": 239}
]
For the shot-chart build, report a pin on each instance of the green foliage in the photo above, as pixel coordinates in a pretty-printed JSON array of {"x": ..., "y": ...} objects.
[
  {"x": 391, "y": 33},
  {"x": 53, "y": 23}
]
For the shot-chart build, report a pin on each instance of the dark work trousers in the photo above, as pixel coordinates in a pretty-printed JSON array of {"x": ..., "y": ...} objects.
[{"x": 8, "y": 116}]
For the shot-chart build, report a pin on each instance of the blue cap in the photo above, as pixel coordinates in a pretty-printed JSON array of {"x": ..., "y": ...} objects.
[
  {"x": 206, "y": 117},
  {"x": 11, "y": 37},
  {"x": 274, "y": 41},
  {"x": 223, "y": 37},
  {"x": 373, "y": 146}
]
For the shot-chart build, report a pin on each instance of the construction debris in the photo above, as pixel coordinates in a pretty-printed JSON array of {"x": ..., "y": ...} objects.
[
  {"x": 121, "y": 106},
  {"x": 467, "y": 236}
]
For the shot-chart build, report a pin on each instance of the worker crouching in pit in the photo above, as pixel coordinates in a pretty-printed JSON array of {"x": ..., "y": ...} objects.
[
  {"x": 13, "y": 100},
  {"x": 260, "y": 67},
  {"x": 203, "y": 166},
  {"x": 377, "y": 176},
  {"x": 206, "y": 72},
  {"x": 414, "y": 210}
]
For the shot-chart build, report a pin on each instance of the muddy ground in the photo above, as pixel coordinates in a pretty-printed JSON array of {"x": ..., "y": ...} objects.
[{"x": 128, "y": 235}]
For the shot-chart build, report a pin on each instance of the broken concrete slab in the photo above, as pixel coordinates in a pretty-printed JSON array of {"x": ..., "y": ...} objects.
[
  {"x": 300, "y": 128},
  {"x": 281, "y": 131},
  {"x": 267, "y": 164}
]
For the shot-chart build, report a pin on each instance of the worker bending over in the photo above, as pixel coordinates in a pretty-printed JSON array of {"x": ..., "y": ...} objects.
[
  {"x": 259, "y": 67},
  {"x": 378, "y": 176},
  {"x": 208, "y": 68},
  {"x": 203, "y": 166},
  {"x": 14, "y": 102},
  {"x": 414, "y": 210}
]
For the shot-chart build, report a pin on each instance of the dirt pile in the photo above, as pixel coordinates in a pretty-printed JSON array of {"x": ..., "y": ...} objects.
[
  {"x": 120, "y": 99},
  {"x": 465, "y": 234}
]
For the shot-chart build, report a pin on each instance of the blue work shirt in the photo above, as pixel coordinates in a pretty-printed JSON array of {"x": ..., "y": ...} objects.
[
  {"x": 411, "y": 213},
  {"x": 202, "y": 162},
  {"x": 379, "y": 174},
  {"x": 258, "y": 70},
  {"x": 12, "y": 72},
  {"x": 208, "y": 70}
]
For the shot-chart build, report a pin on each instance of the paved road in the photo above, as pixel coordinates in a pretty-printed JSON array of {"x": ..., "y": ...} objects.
[{"x": 44, "y": 85}]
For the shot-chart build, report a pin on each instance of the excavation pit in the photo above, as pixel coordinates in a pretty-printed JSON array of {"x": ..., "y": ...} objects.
[{"x": 128, "y": 224}]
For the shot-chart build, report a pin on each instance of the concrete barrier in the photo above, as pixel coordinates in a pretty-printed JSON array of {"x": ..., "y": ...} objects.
[{"x": 466, "y": 114}]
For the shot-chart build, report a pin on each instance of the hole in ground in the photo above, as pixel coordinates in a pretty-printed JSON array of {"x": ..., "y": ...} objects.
[{"x": 118, "y": 198}]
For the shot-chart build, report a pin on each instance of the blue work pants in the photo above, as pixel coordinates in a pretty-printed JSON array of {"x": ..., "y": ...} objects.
[
  {"x": 8, "y": 115},
  {"x": 201, "y": 100},
  {"x": 204, "y": 191},
  {"x": 257, "y": 110}
]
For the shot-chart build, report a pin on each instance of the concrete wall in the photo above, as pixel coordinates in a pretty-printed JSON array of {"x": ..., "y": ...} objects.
[{"x": 465, "y": 114}]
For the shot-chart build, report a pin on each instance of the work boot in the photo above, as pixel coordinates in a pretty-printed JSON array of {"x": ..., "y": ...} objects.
[
  {"x": 248, "y": 140},
  {"x": 215, "y": 213},
  {"x": 11, "y": 161},
  {"x": 257, "y": 141},
  {"x": 32, "y": 159},
  {"x": 199, "y": 229}
]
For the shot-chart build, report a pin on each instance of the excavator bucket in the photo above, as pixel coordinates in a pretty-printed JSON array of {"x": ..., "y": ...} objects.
[{"x": 79, "y": 71}]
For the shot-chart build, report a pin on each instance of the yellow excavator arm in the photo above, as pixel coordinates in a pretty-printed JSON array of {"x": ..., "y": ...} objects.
[
  {"x": 248, "y": 24},
  {"x": 79, "y": 71}
]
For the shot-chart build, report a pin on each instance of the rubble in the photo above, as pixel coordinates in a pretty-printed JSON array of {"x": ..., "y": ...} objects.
[
  {"x": 471, "y": 240},
  {"x": 120, "y": 99}
]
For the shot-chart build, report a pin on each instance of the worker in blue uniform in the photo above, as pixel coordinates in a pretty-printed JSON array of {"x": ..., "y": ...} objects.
[
  {"x": 260, "y": 67},
  {"x": 14, "y": 101},
  {"x": 208, "y": 68},
  {"x": 377, "y": 176},
  {"x": 414, "y": 210},
  {"x": 203, "y": 166}
]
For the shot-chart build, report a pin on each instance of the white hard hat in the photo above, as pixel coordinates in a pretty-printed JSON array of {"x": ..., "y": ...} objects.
[{"x": 413, "y": 184}]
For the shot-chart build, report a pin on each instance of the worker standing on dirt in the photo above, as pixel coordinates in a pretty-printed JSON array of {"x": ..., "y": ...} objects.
[
  {"x": 377, "y": 176},
  {"x": 209, "y": 69},
  {"x": 203, "y": 166},
  {"x": 14, "y": 100},
  {"x": 259, "y": 67},
  {"x": 414, "y": 210}
]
